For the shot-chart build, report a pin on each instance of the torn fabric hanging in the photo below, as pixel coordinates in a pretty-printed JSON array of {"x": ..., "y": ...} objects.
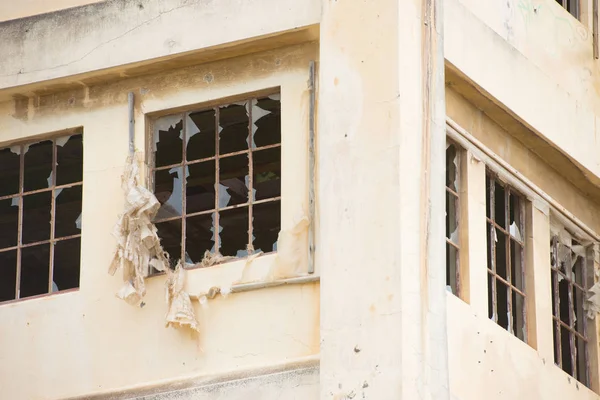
[{"x": 138, "y": 245}]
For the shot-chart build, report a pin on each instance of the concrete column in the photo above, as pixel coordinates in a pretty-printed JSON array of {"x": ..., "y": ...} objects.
[
  {"x": 537, "y": 281},
  {"x": 473, "y": 266},
  {"x": 383, "y": 333}
]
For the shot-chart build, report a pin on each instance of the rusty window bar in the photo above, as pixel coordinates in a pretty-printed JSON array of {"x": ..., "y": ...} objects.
[
  {"x": 20, "y": 196},
  {"x": 511, "y": 279},
  {"x": 217, "y": 157},
  {"x": 571, "y": 327},
  {"x": 453, "y": 215}
]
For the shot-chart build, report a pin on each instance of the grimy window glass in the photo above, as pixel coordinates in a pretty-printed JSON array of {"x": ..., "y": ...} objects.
[
  {"x": 505, "y": 211},
  {"x": 569, "y": 287},
  {"x": 40, "y": 216},
  {"x": 217, "y": 175},
  {"x": 452, "y": 213}
]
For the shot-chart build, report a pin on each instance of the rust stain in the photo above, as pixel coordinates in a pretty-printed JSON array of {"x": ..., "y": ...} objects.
[
  {"x": 21, "y": 107},
  {"x": 336, "y": 81}
]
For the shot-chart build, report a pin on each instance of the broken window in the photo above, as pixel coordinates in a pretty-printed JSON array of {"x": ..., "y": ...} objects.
[
  {"x": 506, "y": 269},
  {"x": 571, "y": 6},
  {"x": 40, "y": 216},
  {"x": 217, "y": 176},
  {"x": 452, "y": 212},
  {"x": 569, "y": 286}
]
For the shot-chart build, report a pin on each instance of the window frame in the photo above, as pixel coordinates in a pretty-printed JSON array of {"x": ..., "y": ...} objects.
[
  {"x": 493, "y": 227},
  {"x": 587, "y": 277},
  {"x": 52, "y": 240},
  {"x": 292, "y": 84},
  {"x": 456, "y": 290},
  {"x": 217, "y": 157}
]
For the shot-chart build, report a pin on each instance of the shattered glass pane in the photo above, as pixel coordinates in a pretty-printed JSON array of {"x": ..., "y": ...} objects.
[
  {"x": 168, "y": 140},
  {"x": 515, "y": 217},
  {"x": 451, "y": 217},
  {"x": 578, "y": 310},
  {"x": 581, "y": 364},
  {"x": 38, "y": 166},
  {"x": 565, "y": 339},
  {"x": 563, "y": 293},
  {"x": 200, "y": 187},
  {"x": 199, "y": 236},
  {"x": 233, "y": 128},
  {"x": 9, "y": 172},
  {"x": 500, "y": 206},
  {"x": 69, "y": 157},
  {"x": 488, "y": 198},
  {"x": 168, "y": 191},
  {"x": 518, "y": 306},
  {"x": 68, "y": 210},
  {"x": 501, "y": 267},
  {"x": 451, "y": 266},
  {"x": 554, "y": 299},
  {"x": 36, "y": 217},
  {"x": 555, "y": 336},
  {"x": 67, "y": 254},
  {"x": 170, "y": 238},
  {"x": 8, "y": 275},
  {"x": 266, "y": 225},
  {"x": 234, "y": 235},
  {"x": 233, "y": 176},
  {"x": 9, "y": 220},
  {"x": 490, "y": 297},
  {"x": 35, "y": 270},
  {"x": 200, "y": 133},
  {"x": 267, "y": 173},
  {"x": 451, "y": 169},
  {"x": 266, "y": 121},
  {"x": 516, "y": 262},
  {"x": 502, "y": 304}
]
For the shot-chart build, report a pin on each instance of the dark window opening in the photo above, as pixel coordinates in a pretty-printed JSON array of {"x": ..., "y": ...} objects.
[
  {"x": 571, "y": 6},
  {"x": 40, "y": 217},
  {"x": 452, "y": 214},
  {"x": 505, "y": 241},
  {"x": 569, "y": 285},
  {"x": 217, "y": 176}
]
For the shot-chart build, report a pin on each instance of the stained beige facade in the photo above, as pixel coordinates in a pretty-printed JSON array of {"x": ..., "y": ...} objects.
[{"x": 358, "y": 305}]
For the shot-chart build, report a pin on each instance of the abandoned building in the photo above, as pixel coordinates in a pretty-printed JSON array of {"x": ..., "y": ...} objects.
[{"x": 299, "y": 199}]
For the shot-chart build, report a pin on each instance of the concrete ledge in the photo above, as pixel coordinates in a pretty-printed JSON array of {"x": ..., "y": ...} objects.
[
  {"x": 106, "y": 35},
  {"x": 297, "y": 380}
]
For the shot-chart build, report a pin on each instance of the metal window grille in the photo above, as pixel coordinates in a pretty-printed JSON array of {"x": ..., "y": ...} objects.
[
  {"x": 506, "y": 269},
  {"x": 569, "y": 287},
  {"x": 40, "y": 216},
  {"x": 452, "y": 217},
  {"x": 217, "y": 174}
]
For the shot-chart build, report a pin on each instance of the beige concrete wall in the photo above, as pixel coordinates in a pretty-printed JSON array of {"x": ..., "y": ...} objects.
[
  {"x": 532, "y": 58},
  {"x": 90, "y": 342},
  {"x": 484, "y": 359},
  {"x": 27, "y": 8}
]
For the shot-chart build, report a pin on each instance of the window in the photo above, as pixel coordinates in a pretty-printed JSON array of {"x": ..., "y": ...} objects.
[
  {"x": 571, "y": 6},
  {"x": 505, "y": 234},
  {"x": 569, "y": 286},
  {"x": 217, "y": 175},
  {"x": 452, "y": 213},
  {"x": 40, "y": 216}
]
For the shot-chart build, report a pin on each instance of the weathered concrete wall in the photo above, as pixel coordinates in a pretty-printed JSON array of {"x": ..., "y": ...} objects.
[
  {"x": 120, "y": 32},
  {"x": 89, "y": 342},
  {"x": 26, "y": 8},
  {"x": 484, "y": 359},
  {"x": 534, "y": 60}
]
